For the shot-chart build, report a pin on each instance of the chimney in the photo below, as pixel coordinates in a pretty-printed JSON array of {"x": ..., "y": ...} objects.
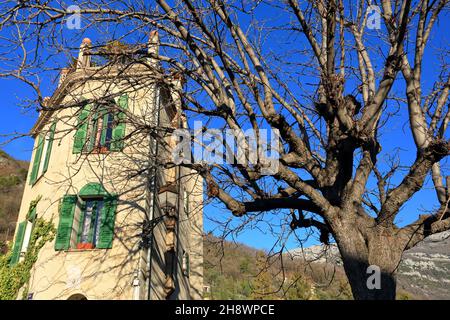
[
  {"x": 153, "y": 48},
  {"x": 84, "y": 60}
]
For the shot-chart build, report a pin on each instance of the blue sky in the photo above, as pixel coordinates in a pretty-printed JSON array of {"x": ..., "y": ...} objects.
[
  {"x": 15, "y": 119},
  {"x": 396, "y": 136}
]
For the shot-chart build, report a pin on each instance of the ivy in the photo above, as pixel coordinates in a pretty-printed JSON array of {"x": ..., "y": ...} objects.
[
  {"x": 13, "y": 278},
  {"x": 34, "y": 203},
  {"x": 32, "y": 208}
]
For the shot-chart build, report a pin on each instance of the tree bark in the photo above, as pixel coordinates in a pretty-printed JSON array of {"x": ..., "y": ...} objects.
[
  {"x": 358, "y": 276},
  {"x": 370, "y": 255}
]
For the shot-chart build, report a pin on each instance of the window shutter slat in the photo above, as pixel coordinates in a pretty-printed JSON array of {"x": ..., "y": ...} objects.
[
  {"x": 49, "y": 147},
  {"x": 82, "y": 127},
  {"x": 107, "y": 223},
  {"x": 37, "y": 160},
  {"x": 18, "y": 244},
  {"x": 118, "y": 133},
  {"x": 66, "y": 215}
]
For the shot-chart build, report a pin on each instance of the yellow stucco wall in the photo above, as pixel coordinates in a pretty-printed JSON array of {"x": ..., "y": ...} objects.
[{"x": 108, "y": 273}]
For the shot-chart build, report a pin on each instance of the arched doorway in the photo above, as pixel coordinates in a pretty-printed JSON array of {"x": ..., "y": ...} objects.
[{"x": 77, "y": 296}]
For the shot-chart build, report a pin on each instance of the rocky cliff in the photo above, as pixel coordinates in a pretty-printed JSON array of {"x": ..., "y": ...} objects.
[{"x": 424, "y": 271}]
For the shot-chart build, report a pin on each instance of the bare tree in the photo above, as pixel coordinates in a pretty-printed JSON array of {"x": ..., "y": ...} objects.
[{"x": 306, "y": 68}]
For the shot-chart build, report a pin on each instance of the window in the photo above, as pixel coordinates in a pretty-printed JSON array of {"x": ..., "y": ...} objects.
[
  {"x": 43, "y": 149},
  {"x": 101, "y": 128},
  {"x": 26, "y": 239},
  {"x": 89, "y": 229},
  {"x": 86, "y": 220},
  {"x": 77, "y": 296}
]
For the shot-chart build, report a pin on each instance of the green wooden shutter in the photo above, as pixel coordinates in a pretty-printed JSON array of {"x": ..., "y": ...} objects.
[
  {"x": 31, "y": 215},
  {"x": 107, "y": 220},
  {"x": 49, "y": 147},
  {"x": 66, "y": 214},
  {"x": 18, "y": 244},
  {"x": 118, "y": 133},
  {"x": 82, "y": 127},
  {"x": 37, "y": 160}
]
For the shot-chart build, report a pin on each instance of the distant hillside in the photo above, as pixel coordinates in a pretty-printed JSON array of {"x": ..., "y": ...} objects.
[
  {"x": 13, "y": 175},
  {"x": 425, "y": 269},
  {"x": 237, "y": 271}
]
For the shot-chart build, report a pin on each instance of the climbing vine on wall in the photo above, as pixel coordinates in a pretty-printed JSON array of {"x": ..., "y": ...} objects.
[{"x": 13, "y": 278}]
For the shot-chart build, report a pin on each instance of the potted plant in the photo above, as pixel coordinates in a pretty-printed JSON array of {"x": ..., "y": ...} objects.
[{"x": 85, "y": 246}]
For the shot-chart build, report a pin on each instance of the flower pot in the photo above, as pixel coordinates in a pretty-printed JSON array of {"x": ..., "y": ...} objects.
[{"x": 85, "y": 246}]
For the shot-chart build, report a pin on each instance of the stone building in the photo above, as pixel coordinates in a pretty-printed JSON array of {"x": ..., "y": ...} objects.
[{"x": 129, "y": 226}]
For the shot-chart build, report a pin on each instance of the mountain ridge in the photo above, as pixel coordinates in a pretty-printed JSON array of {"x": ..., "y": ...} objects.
[{"x": 424, "y": 270}]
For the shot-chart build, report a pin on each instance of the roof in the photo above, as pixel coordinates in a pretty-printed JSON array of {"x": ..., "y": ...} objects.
[{"x": 101, "y": 73}]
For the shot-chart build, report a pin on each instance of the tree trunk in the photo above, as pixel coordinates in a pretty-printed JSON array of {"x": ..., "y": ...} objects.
[
  {"x": 370, "y": 261},
  {"x": 359, "y": 274}
]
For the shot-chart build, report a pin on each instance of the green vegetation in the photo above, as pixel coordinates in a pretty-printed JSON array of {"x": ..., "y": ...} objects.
[
  {"x": 9, "y": 181},
  {"x": 235, "y": 271},
  {"x": 300, "y": 288},
  {"x": 262, "y": 286},
  {"x": 13, "y": 174},
  {"x": 13, "y": 278}
]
